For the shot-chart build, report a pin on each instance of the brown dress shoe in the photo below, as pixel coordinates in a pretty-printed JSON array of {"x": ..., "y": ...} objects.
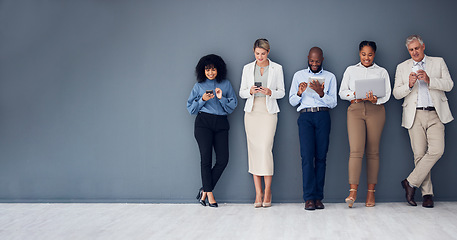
[
  {"x": 409, "y": 192},
  {"x": 319, "y": 204},
  {"x": 427, "y": 201},
  {"x": 309, "y": 205}
]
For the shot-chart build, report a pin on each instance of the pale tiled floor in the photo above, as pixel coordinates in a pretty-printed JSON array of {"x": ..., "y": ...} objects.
[{"x": 229, "y": 221}]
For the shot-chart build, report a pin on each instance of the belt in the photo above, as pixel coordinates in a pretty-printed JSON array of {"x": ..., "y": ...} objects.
[
  {"x": 212, "y": 115},
  {"x": 314, "y": 109},
  {"x": 357, "y": 101},
  {"x": 426, "y": 108}
]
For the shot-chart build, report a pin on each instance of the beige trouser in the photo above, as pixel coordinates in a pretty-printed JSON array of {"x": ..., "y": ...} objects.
[
  {"x": 365, "y": 123},
  {"x": 427, "y": 143}
]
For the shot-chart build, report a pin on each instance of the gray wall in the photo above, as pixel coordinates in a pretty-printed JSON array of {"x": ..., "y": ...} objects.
[{"x": 93, "y": 94}]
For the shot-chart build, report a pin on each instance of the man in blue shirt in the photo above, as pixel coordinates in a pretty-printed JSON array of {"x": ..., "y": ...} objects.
[{"x": 314, "y": 91}]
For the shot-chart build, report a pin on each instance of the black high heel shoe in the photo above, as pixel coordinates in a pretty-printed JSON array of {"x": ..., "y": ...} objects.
[
  {"x": 212, "y": 204},
  {"x": 199, "y": 197}
]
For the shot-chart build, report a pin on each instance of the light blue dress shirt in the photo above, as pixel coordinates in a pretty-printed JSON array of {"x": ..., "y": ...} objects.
[
  {"x": 310, "y": 98},
  {"x": 216, "y": 106},
  {"x": 423, "y": 97}
]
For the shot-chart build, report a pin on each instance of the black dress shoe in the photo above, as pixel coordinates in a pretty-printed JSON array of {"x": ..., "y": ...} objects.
[
  {"x": 309, "y": 205},
  {"x": 212, "y": 204},
  {"x": 319, "y": 204},
  {"x": 409, "y": 192},
  {"x": 427, "y": 201},
  {"x": 199, "y": 197}
]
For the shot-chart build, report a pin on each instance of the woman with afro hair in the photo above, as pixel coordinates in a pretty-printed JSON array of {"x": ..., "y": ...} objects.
[{"x": 211, "y": 99}]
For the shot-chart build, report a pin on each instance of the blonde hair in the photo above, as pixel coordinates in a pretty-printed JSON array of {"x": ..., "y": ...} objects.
[{"x": 262, "y": 43}]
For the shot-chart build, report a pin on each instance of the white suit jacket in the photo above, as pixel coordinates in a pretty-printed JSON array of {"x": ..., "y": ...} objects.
[
  {"x": 440, "y": 82},
  {"x": 275, "y": 84}
]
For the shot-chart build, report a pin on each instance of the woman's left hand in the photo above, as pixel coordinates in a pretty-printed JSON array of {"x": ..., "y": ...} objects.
[
  {"x": 265, "y": 91},
  {"x": 370, "y": 97},
  {"x": 218, "y": 93}
]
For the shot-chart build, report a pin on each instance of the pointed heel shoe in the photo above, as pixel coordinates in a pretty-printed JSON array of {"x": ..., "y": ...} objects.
[
  {"x": 258, "y": 204},
  {"x": 266, "y": 204},
  {"x": 370, "y": 204},
  {"x": 350, "y": 200},
  {"x": 199, "y": 197}
]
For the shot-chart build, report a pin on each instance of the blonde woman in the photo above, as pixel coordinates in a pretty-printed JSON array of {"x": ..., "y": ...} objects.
[{"x": 262, "y": 83}]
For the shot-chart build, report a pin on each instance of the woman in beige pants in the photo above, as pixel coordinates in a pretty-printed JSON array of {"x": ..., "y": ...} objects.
[{"x": 365, "y": 120}]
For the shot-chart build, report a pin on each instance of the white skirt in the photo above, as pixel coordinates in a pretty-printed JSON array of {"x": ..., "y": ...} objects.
[{"x": 260, "y": 129}]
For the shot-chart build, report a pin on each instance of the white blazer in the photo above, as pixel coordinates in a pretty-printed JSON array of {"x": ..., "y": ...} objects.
[
  {"x": 275, "y": 84},
  {"x": 440, "y": 82}
]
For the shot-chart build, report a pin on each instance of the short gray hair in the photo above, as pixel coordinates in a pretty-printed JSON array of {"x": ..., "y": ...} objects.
[{"x": 413, "y": 38}]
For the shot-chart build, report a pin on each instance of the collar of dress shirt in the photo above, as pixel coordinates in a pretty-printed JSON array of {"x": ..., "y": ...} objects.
[
  {"x": 423, "y": 60},
  {"x": 370, "y": 67},
  {"x": 309, "y": 71}
]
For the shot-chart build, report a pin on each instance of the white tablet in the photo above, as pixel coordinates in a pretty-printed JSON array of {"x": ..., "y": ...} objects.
[
  {"x": 319, "y": 79},
  {"x": 363, "y": 86}
]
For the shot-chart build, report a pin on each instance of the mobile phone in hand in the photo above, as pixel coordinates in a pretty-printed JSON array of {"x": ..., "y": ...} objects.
[
  {"x": 258, "y": 84},
  {"x": 209, "y": 91}
]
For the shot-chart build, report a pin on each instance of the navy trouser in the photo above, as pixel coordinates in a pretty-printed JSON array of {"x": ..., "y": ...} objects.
[
  {"x": 211, "y": 131},
  {"x": 314, "y": 131}
]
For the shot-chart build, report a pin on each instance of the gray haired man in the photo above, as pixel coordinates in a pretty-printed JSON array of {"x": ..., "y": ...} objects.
[{"x": 422, "y": 81}]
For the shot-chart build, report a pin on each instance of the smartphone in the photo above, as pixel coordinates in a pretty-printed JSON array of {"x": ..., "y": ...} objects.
[
  {"x": 258, "y": 84},
  {"x": 209, "y": 91}
]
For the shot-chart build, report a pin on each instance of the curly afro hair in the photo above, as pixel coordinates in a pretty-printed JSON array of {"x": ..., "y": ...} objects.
[{"x": 210, "y": 61}]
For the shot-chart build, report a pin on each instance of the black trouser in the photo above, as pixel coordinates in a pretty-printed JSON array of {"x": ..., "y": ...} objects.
[{"x": 211, "y": 131}]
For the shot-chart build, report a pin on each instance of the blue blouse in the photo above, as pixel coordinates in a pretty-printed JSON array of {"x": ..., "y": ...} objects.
[{"x": 223, "y": 106}]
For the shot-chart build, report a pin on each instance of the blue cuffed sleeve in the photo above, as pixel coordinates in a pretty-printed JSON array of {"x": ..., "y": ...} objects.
[
  {"x": 195, "y": 101},
  {"x": 294, "y": 99},
  {"x": 228, "y": 100},
  {"x": 329, "y": 97}
]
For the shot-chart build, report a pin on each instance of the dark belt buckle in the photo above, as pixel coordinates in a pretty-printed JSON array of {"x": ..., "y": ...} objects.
[{"x": 426, "y": 108}]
